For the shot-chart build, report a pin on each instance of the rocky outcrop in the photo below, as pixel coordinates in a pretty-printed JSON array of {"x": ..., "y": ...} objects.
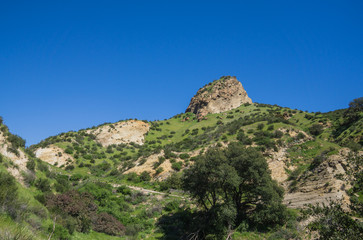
[
  {"x": 327, "y": 182},
  {"x": 121, "y": 132},
  {"x": 18, "y": 159},
  {"x": 219, "y": 96},
  {"x": 54, "y": 155}
]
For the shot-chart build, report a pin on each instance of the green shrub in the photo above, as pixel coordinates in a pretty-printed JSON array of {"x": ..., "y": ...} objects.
[
  {"x": 76, "y": 177},
  {"x": 300, "y": 135},
  {"x": 16, "y": 141},
  {"x": 172, "y": 206},
  {"x": 29, "y": 178},
  {"x": 31, "y": 165},
  {"x": 43, "y": 184},
  {"x": 132, "y": 177},
  {"x": 277, "y": 134},
  {"x": 159, "y": 170},
  {"x": 316, "y": 129},
  {"x": 69, "y": 150},
  {"x": 124, "y": 190},
  {"x": 69, "y": 167},
  {"x": 145, "y": 176},
  {"x": 177, "y": 166},
  {"x": 270, "y": 128},
  {"x": 108, "y": 224},
  {"x": 260, "y": 126},
  {"x": 184, "y": 156},
  {"x": 8, "y": 189}
]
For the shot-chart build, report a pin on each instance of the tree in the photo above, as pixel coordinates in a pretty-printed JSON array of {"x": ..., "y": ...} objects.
[
  {"x": 332, "y": 222},
  {"x": 235, "y": 185},
  {"x": 356, "y": 105},
  {"x": 352, "y": 113},
  {"x": 145, "y": 176},
  {"x": 316, "y": 129}
]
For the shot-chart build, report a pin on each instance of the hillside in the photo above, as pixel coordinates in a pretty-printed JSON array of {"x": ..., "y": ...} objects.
[{"x": 314, "y": 157}]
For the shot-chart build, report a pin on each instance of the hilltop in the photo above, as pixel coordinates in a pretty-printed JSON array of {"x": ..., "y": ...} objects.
[
  {"x": 218, "y": 96},
  {"x": 314, "y": 158}
]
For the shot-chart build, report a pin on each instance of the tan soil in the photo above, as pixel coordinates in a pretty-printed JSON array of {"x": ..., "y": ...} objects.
[
  {"x": 19, "y": 161},
  {"x": 51, "y": 155},
  {"x": 121, "y": 132}
]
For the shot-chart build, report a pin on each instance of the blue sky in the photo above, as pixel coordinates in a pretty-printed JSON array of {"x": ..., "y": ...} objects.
[{"x": 67, "y": 65}]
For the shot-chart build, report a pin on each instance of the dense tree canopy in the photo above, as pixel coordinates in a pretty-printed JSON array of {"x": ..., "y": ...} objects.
[{"x": 235, "y": 185}]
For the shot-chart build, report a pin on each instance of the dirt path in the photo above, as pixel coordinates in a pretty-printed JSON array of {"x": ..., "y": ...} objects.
[{"x": 147, "y": 191}]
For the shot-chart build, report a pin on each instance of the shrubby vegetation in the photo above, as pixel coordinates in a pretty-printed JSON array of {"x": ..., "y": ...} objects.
[
  {"x": 230, "y": 188},
  {"x": 333, "y": 222}
]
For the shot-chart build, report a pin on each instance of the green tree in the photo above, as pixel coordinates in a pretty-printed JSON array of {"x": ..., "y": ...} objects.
[
  {"x": 235, "y": 185},
  {"x": 145, "y": 176},
  {"x": 316, "y": 129},
  {"x": 332, "y": 222},
  {"x": 356, "y": 105}
]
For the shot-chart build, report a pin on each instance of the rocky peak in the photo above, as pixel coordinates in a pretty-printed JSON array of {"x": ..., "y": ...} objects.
[{"x": 218, "y": 96}]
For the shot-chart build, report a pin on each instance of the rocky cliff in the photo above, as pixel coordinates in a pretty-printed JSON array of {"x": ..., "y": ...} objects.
[
  {"x": 14, "y": 154},
  {"x": 218, "y": 96}
]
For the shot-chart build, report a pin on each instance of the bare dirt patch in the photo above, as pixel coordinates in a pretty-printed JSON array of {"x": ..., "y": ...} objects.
[{"x": 121, "y": 132}]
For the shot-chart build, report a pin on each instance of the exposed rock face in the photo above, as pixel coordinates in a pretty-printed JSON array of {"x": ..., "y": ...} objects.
[
  {"x": 277, "y": 160},
  {"x": 18, "y": 160},
  {"x": 53, "y": 155},
  {"x": 121, "y": 132},
  {"x": 322, "y": 184},
  {"x": 219, "y": 96}
]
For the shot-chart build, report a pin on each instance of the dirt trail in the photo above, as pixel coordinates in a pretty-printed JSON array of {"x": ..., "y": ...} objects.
[{"x": 147, "y": 191}]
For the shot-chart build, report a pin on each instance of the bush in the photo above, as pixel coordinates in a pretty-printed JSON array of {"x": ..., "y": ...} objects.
[
  {"x": 29, "y": 178},
  {"x": 277, "y": 134},
  {"x": 69, "y": 150},
  {"x": 16, "y": 141},
  {"x": 243, "y": 138},
  {"x": 159, "y": 170},
  {"x": 31, "y": 165},
  {"x": 145, "y": 176},
  {"x": 43, "y": 167},
  {"x": 133, "y": 177},
  {"x": 79, "y": 206},
  {"x": 174, "y": 181},
  {"x": 184, "y": 156},
  {"x": 69, "y": 167},
  {"x": 177, "y": 166},
  {"x": 332, "y": 222},
  {"x": 8, "y": 189},
  {"x": 171, "y": 206},
  {"x": 108, "y": 224},
  {"x": 124, "y": 190},
  {"x": 76, "y": 177},
  {"x": 353, "y": 146},
  {"x": 60, "y": 232},
  {"x": 316, "y": 129},
  {"x": 300, "y": 136},
  {"x": 43, "y": 184}
]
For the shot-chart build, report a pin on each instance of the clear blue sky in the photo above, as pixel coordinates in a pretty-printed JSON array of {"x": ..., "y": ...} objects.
[{"x": 67, "y": 65}]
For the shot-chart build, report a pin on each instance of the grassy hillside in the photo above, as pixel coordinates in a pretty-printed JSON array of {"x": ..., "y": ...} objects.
[
  {"x": 96, "y": 175},
  {"x": 257, "y": 124}
]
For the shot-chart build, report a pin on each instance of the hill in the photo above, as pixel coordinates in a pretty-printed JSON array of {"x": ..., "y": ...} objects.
[{"x": 130, "y": 167}]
